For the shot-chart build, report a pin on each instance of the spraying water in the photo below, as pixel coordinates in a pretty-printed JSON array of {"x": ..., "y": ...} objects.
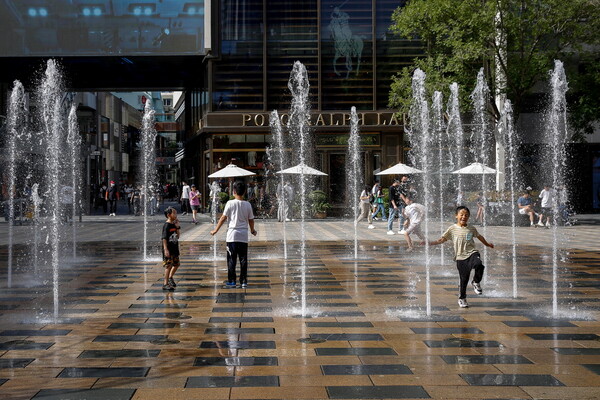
[
  {"x": 50, "y": 97},
  {"x": 16, "y": 115},
  {"x": 214, "y": 197},
  {"x": 37, "y": 201},
  {"x": 557, "y": 131},
  {"x": 420, "y": 140},
  {"x": 298, "y": 128},
  {"x": 74, "y": 140},
  {"x": 437, "y": 115},
  {"x": 148, "y": 163},
  {"x": 481, "y": 136},
  {"x": 510, "y": 139},
  {"x": 455, "y": 134},
  {"x": 354, "y": 173},
  {"x": 279, "y": 159}
]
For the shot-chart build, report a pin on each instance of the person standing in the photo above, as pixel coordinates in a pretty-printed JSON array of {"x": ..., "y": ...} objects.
[
  {"x": 394, "y": 209},
  {"x": 185, "y": 198},
  {"x": 112, "y": 195},
  {"x": 378, "y": 203},
  {"x": 129, "y": 194},
  {"x": 194, "y": 202},
  {"x": 170, "y": 248},
  {"x": 548, "y": 196},
  {"x": 240, "y": 216},
  {"x": 288, "y": 192},
  {"x": 365, "y": 207}
]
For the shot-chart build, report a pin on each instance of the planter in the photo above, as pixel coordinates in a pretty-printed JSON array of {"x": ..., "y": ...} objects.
[{"x": 320, "y": 215}]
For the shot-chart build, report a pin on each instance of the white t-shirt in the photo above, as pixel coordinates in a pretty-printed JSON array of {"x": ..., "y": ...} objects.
[
  {"x": 547, "y": 197},
  {"x": 238, "y": 213},
  {"x": 364, "y": 193},
  {"x": 185, "y": 192},
  {"x": 415, "y": 212}
]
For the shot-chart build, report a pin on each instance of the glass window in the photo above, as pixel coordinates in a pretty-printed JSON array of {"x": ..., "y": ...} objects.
[{"x": 347, "y": 54}]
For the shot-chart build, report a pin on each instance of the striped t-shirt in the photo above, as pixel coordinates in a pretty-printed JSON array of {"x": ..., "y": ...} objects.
[{"x": 462, "y": 240}]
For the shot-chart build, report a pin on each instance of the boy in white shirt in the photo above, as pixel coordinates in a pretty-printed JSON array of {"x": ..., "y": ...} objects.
[
  {"x": 239, "y": 213},
  {"x": 548, "y": 196},
  {"x": 414, "y": 212}
]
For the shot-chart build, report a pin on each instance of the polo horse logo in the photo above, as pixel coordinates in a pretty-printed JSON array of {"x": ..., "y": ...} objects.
[{"x": 346, "y": 44}]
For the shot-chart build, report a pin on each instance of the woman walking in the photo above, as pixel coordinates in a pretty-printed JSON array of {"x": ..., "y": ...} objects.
[{"x": 194, "y": 202}]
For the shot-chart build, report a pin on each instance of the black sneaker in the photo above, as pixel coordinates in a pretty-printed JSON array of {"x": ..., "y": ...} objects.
[
  {"x": 172, "y": 282},
  {"x": 168, "y": 287}
]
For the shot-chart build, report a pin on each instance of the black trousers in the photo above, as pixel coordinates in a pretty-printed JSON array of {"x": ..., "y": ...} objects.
[
  {"x": 185, "y": 205},
  {"x": 237, "y": 250},
  {"x": 113, "y": 206},
  {"x": 464, "y": 271}
]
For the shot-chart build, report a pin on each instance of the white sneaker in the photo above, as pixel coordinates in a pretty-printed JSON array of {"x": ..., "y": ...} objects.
[
  {"x": 540, "y": 223},
  {"x": 371, "y": 227},
  {"x": 462, "y": 303},
  {"x": 532, "y": 224},
  {"x": 401, "y": 231},
  {"x": 477, "y": 288},
  {"x": 390, "y": 232},
  {"x": 547, "y": 224}
]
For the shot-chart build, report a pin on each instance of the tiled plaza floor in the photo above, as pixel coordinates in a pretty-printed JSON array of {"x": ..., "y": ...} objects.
[{"x": 358, "y": 330}]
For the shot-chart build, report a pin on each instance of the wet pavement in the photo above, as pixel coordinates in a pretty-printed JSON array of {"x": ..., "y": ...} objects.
[{"x": 361, "y": 331}]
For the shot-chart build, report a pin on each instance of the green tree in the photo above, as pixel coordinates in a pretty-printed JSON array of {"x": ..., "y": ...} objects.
[{"x": 461, "y": 36}]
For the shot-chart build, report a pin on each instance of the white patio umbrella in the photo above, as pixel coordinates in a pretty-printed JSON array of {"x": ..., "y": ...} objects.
[
  {"x": 301, "y": 169},
  {"x": 231, "y": 171},
  {"x": 400, "y": 169},
  {"x": 475, "y": 169}
]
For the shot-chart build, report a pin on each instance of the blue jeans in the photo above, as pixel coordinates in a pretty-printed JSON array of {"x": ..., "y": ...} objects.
[
  {"x": 392, "y": 213},
  {"x": 381, "y": 208}
]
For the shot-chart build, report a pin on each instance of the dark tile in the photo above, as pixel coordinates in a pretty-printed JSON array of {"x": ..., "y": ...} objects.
[
  {"x": 563, "y": 336},
  {"x": 238, "y": 331},
  {"x": 234, "y": 361},
  {"x": 377, "y": 392},
  {"x": 79, "y": 310},
  {"x": 243, "y": 344},
  {"x": 161, "y": 305},
  {"x": 510, "y": 380},
  {"x": 242, "y": 309},
  {"x": 36, "y": 332},
  {"x": 8, "y": 306},
  {"x": 487, "y": 359},
  {"x": 2, "y": 381},
  {"x": 360, "y": 369},
  {"x": 595, "y": 368},
  {"x": 322, "y": 305},
  {"x": 119, "y": 353},
  {"x": 142, "y": 325},
  {"x": 24, "y": 345},
  {"x": 84, "y": 394},
  {"x": 457, "y": 342},
  {"x": 532, "y": 324},
  {"x": 126, "y": 372},
  {"x": 434, "y": 318},
  {"x": 341, "y": 314},
  {"x": 231, "y": 381},
  {"x": 327, "y": 296},
  {"x": 150, "y": 315},
  {"x": 85, "y": 301},
  {"x": 447, "y": 331},
  {"x": 15, "y": 362},
  {"x": 216, "y": 320},
  {"x": 347, "y": 336},
  {"x": 103, "y": 282},
  {"x": 577, "y": 351},
  {"x": 355, "y": 351},
  {"x": 128, "y": 338},
  {"x": 339, "y": 324},
  {"x": 92, "y": 294}
]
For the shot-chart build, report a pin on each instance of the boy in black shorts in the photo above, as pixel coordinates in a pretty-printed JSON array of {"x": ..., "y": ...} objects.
[{"x": 170, "y": 247}]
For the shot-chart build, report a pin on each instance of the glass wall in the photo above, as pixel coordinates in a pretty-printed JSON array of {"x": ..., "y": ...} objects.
[{"x": 238, "y": 79}]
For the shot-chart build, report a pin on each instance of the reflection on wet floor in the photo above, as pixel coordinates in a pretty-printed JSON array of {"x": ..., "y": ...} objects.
[{"x": 364, "y": 333}]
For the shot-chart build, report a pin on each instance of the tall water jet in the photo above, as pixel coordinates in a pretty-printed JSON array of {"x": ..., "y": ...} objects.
[
  {"x": 16, "y": 117},
  {"x": 278, "y": 158},
  {"x": 148, "y": 163},
  {"x": 74, "y": 142},
  {"x": 298, "y": 128},
  {"x": 37, "y": 203},
  {"x": 50, "y": 97},
  {"x": 214, "y": 197},
  {"x": 455, "y": 134},
  {"x": 354, "y": 173},
  {"x": 557, "y": 132},
  {"x": 420, "y": 140},
  {"x": 437, "y": 116},
  {"x": 510, "y": 140},
  {"x": 481, "y": 136}
]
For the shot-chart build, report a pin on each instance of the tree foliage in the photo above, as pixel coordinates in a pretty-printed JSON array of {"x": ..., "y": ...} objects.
[{"x": 461, "y": 36}]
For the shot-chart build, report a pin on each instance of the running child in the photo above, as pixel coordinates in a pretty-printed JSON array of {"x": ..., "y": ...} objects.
[
  {"x": 466, "y": 255},
  {"x": 414, "y": 212}
]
